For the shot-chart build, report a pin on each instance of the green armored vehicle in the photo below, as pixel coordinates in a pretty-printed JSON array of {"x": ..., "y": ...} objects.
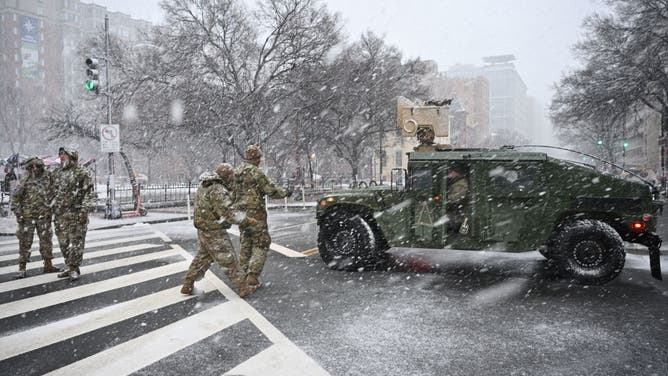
[{"x": 512, "y": 200}]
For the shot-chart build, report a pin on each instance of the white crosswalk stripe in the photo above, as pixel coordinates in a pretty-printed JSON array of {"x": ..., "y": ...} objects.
[
  {"x": 89, "y": 255},
  {"x": 142, "y": 305},
  {"x": 93, "y": 244}
]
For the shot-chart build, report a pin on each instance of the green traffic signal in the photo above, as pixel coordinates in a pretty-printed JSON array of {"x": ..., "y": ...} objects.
[
  {"x": 91, "y": 84},
  {"x": 92, "y": 74},
  {"x": 599, "y": 142},
  {"x": 626, "y": 144}
]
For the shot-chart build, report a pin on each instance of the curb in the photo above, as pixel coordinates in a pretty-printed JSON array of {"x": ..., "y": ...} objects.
[{"x": 167, "y": 220}]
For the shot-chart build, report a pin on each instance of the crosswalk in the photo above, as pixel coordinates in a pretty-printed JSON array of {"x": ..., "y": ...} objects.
[{"x": 126, "y": 316}]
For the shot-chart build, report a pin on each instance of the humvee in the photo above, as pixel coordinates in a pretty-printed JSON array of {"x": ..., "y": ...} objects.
[{"x": 576, "y": 216}]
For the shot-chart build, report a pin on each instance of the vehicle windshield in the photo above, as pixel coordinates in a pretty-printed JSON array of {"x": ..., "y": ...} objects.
[{"x": 421, "y": 179}]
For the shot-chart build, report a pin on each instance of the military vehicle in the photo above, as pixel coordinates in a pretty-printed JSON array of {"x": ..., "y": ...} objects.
[{"x": 577, "y": 216}]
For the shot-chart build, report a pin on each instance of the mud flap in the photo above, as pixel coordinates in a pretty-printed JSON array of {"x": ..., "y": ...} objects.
[
  {"x": 653, "y": 243},
  {"x": 655, "y": 262}
]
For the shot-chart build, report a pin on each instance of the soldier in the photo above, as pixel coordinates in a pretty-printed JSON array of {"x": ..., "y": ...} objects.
[
  {"x": 252, "y": 187},
  {"x": 213, "y": 216},
  {"x": 73, "y": 198},
  {"x": 31, "y": 205}
]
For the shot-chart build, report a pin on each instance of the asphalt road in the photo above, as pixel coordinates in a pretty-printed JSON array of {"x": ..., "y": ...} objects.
[
  {"x": 433, "y": 313},
  {"x": 462, "y": 313}
]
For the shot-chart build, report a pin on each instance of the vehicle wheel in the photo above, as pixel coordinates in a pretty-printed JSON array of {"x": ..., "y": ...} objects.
[
  {"x": 347, "y": 242},
  {"x": 588, "y": 251},
  {"x": 143, "y": 211}
]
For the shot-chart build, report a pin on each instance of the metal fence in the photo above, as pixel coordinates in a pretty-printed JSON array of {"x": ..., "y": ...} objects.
[
  {"x": 176, "y": 194},
  {"x": 158, "y": 194}
]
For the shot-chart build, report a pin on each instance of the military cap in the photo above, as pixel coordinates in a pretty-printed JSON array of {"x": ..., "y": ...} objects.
[
  {"x": 253, "y": 153},
  {"x": 225, "y": 171}
]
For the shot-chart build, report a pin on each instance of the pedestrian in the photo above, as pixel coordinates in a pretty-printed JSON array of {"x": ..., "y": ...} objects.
[
  {"x": 31, "y": 204},
  {"x": 251, "y": 189},
  {"x": 9, "y": 182},
  {"x": 72, "y": 201},
  {"x": 213, "y": 216}
]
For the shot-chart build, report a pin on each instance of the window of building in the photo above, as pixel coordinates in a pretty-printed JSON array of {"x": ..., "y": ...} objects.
[{"x": 397, "y": 158}]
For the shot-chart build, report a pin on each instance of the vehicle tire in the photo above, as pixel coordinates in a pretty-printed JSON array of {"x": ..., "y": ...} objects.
[
  {"x": 587, "y": 251},
  {"x": 347, "y": 241},
  {"x": 143, "y": 211}
]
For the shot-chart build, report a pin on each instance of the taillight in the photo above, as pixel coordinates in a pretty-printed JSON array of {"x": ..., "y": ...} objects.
[
  {"x": 646, "y": 217},
  {"x": 638, "y": 226}
]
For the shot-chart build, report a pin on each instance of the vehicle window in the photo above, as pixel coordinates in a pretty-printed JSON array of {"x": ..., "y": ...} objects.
[
  {"x": 512, "y": 178},
  {"x": 422, "y": 179}
]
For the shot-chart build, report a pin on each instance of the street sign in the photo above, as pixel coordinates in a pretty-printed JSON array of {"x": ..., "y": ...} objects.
[{"x": 110, "y": 138}]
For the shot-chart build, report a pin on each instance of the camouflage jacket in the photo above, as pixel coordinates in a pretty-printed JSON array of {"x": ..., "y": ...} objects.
[
  {"x": 33, "y": 196},
  {"x": 457, "y": 191},
  {"x": 213, "y": 206},
  {"x": 73, "y": 190},
  {"x": 252, "y": 185}
]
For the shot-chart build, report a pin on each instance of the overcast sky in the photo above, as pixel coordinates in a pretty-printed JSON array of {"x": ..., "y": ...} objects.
[{"x": 539, "y": 33}]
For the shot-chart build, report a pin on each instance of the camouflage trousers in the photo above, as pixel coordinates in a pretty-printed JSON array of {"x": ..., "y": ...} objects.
[
  {"x": 71, "y": 235},
  {"x": 213, "y": 246},
  {"x": 255, "y": 242},
  {"x": 26, "y": 232}
]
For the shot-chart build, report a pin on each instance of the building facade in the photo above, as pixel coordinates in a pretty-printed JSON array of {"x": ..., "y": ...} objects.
[{"x": 41, "y": 64}]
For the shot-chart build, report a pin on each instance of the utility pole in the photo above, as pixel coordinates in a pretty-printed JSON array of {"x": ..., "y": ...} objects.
[{"x": 110, "y": 183}]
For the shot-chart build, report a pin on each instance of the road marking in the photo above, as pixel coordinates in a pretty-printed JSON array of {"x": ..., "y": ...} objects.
[
  {"x": 91, "y": 234},
  {"x": 295, "y": 225},
  {"x": 311, "y": 252},
  {"x": 49, "y": 277},
  {"x": 285, "y": 354},
  {"x": 274, "y": 247},
  {"x": 149, "y": 348},
  {"x": 88, "y": 255},
  {"x": 35, "y": 338},
  {"x": 61, "y": 296},
  {"x": 98, "y": 243},
  {"x": 279, "y": 360}
]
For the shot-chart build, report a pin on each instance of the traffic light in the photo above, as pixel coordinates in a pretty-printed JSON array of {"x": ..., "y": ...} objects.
[
  {"x": 92, "y": 75},
  {"x": 599, "y": 142},
  {"x": 626, "y": 144}
]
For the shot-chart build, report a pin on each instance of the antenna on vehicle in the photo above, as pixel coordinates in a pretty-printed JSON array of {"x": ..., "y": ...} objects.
[{"x": 654, "y": 188}]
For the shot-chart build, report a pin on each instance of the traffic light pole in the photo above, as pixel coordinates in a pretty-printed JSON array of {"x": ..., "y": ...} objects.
[{"x": 110, "y": 184}]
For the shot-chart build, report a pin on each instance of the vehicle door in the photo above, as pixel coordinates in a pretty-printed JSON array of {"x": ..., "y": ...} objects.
[
  {"x": 428, "y": 211},
  {"x": 515, "y": 196}
]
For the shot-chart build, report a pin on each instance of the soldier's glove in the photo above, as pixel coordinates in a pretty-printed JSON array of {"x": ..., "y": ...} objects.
[
  {"x": 83, "y": 217},
  {"x": 250, "y": 221}
]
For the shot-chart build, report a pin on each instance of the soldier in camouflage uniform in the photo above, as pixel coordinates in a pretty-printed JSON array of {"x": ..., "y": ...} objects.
[
  {"x": 252, "y": 187},
  {"x": 31, "y": 205},
  {"x": 73, "y": 198},
  {"x": 213, "y": 216}
]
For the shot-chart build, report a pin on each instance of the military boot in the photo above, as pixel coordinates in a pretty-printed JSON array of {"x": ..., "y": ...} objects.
[
  {"x": 251, "y": 279},
  {"x": 249, "y": 286},
  {"x": 74, "y": 274},
  {"x": 22, "y": 271},
  {"x": 235, "y": 275},
  {"x": 64, "y": 274},
  {"x": 188, "y": 287},
  {"x": 49, "y": 268}
]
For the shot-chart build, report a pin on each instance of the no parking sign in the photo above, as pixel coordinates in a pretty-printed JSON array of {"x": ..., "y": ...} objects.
[{"x": 110, "y": 138}]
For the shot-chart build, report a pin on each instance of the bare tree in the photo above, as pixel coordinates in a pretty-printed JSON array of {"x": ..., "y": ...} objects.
[
  {"x": 625, "y": 55},
  {"x": 364, "y": 81},
  {"x": 245, "y": 65},
  {"x": 16, "y": 118}
]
